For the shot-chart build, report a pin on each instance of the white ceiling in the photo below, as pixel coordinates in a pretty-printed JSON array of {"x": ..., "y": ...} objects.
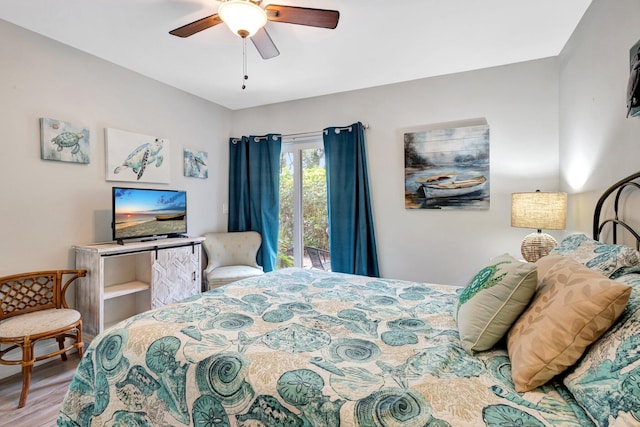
[{"x": 376, "y": 42}]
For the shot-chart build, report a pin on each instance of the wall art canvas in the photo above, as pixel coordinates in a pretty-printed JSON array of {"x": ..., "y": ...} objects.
[
  {"x": 63, "y": 141},
  {"x": 135, "y": 157},
  {"x": 195, "y": 164},
  {"x": 447, "y": 168},
  {"x": 633, "y": 85}
]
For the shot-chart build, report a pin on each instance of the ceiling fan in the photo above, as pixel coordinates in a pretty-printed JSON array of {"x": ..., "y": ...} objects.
[{"x": 246, "y": 18}]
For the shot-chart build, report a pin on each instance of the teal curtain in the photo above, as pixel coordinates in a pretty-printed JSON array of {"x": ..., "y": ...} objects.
[
  {"x": 352, "y": 239},
  {"x": 254, "y": 191}
]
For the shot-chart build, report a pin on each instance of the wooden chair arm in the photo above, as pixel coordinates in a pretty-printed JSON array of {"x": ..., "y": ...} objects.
[{"x": 76, "y": 274}]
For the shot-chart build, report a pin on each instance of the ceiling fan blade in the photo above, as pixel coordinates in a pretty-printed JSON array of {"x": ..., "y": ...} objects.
[
  {"x": 322, "y": 18},
  {"x": 262, "y": 41},
  {"x": 196, "y": 26}
]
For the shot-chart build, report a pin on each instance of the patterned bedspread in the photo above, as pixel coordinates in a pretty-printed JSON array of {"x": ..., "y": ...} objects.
[{"x": 304, "y": 348}]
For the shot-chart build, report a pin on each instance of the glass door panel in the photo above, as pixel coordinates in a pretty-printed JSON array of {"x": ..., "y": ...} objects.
[
  {"x": 303, "y": 239},
  {"x": 315, "y": 227}
]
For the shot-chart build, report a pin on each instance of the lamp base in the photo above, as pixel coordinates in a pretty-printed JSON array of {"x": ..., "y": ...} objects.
[{"x": 536, "y": 245}]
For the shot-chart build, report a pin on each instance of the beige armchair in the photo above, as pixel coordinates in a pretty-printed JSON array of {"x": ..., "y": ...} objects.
[{"x": 232, "y": 256}]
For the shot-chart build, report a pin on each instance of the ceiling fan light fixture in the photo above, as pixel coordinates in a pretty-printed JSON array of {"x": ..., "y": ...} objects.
[{"x": 243, "y": 17}]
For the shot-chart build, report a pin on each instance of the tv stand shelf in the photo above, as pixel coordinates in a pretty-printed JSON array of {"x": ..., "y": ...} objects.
[
  {"x": 125, "y": 289},
  {"x": 124, "y": 280}
]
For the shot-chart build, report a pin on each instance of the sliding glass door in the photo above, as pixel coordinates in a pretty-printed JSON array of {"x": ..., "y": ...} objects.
[{"x": 304, "y": 239}]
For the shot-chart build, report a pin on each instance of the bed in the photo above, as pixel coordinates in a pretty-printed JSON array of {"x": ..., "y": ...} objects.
[{"x": 302, "y": 347}]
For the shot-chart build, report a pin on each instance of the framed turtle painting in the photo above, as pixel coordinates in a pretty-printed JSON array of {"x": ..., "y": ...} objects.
[
  {"x": 135, "y": 157},
  {"x": 447, "y": 168},
  {"x": 195, "y": 164},
  {"x": 63, "y": 141}
]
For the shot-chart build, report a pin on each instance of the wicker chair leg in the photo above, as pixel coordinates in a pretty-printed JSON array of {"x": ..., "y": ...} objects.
[
  {"x": 60, "y": 340},
  {"x": 27, "y": 367},
  {"x": 79, "y": 341},
  {"x": 26, "y": 381}
]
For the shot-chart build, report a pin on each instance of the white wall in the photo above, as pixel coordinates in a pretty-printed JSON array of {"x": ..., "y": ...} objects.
[
  {"x": 520, "y": 104},
  {"x": 599, "y": 145},
  {"x": 48, "y": 206}
]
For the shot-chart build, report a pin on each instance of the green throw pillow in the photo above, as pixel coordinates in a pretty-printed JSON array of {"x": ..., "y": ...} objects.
[{"x": 493, "y": 300}]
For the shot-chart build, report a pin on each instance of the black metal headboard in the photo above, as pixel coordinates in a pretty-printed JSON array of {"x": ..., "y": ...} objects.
[{"x": 616, "y": 221}]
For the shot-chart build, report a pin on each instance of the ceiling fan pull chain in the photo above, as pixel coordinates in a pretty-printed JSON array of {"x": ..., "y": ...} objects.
[{"x": 244, "y": 62}]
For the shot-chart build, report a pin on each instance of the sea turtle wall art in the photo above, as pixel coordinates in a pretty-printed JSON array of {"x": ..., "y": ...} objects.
[
  {"x": 196, "y": 164},
  {"x": 135, "y": 157},
  {"x": 63, "y": 141}
]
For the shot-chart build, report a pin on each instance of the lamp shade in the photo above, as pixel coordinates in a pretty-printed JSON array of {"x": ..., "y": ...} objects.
[
  {"x": 539, "y": 210},
  {"x": 243, "y": 17}
]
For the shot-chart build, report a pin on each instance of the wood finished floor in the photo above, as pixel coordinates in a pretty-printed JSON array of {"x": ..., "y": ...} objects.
[{"x": 49, "y": 383}]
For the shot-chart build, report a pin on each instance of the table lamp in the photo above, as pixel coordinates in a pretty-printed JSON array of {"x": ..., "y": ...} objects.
[{"x": 538, "y": 210}]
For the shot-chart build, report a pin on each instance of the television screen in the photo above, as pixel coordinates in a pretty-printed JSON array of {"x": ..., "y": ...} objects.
[{"x": 141, "y": 213}]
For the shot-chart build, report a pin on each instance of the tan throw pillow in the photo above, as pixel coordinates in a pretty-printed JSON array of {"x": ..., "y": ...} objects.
[
  {"x": 573, "y": 306},
  {"x": 494, "y": 299}
]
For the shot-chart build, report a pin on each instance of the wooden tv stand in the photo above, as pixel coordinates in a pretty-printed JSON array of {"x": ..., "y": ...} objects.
[{"x": 124, "y": 280}]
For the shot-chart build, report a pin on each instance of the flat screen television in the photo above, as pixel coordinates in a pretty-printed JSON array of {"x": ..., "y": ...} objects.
[{"x": 146, "y": 213}]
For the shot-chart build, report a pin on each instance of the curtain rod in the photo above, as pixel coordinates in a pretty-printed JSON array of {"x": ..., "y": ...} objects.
[
  {"x": 305, "y": 135},
  {"x": 302, "y": 135}
]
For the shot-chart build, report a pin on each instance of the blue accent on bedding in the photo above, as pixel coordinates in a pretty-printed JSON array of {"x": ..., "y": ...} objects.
[{"x": 304, "y": 348}]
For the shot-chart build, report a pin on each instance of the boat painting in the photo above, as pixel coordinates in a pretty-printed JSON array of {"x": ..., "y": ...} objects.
[
  {"x": 447, "y": 168},
  {"x": 454, "y": 188}
]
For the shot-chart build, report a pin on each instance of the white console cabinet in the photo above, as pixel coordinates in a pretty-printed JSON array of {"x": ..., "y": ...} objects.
[{"x": 123, "y": 280}]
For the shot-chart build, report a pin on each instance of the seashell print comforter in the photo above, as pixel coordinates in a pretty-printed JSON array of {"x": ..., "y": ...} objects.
[{"x": 304, "y": 348}]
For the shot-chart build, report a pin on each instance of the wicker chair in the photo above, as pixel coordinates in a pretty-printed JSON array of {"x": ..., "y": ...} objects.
[{"x": 33, "y": 308}]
